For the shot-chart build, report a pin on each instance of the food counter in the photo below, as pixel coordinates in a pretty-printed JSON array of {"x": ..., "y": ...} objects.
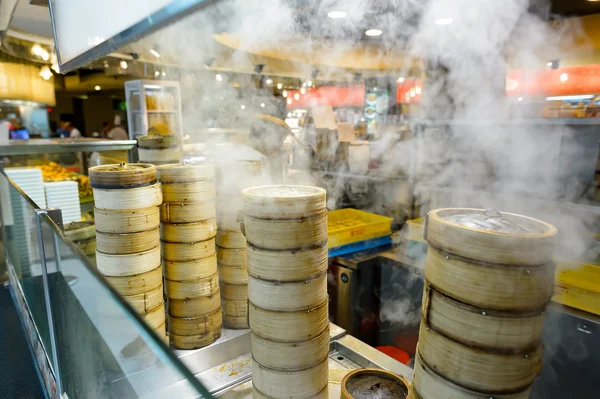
[{"x": 51, "y": 146}]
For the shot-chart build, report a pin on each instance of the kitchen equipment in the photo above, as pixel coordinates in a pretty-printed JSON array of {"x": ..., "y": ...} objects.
[{"x": 373, "y": 384}]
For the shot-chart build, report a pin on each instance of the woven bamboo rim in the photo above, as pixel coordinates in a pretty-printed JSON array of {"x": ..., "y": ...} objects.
[
  {"x": 289, "y": 295},
  {"x": 80, "y": 231},
  {"x": 190, "y": 270},
  {"x": 194, "y": 306},
  {"x": 186, "y": 172},
  {"x": 188, "y": 232},
  {"x": 126, "y": 221},
  {"x": 381, "y": 373},
  {"x": 236, "y": 275},
  {"x": 292, "y": 385},
  {"x": 476, "y": 369},
  {"x": 291, "y": 356},
  {"x": 283, "y": 202},
  {"x": 490, "y": 246},
  {"x": 127, "y": 243},
  {"x": 171, "y": 212},
  {"x": 231, "y": 256},
  {"x": 234, "y": 292},
  {"x": 183, "y": 251},
  {"x": 131, "y": 198},
  {"x": 194, "y": 341},
  {"x": 235, "y": 323},
  {"x": 192, "y": 288},
  {"x": 158, "y": 141},
  {"x": 490, "y": 286},
  {"x": 146, "y": 301},
  {"x": 288, "y": 326},
  {"x": 231, "y": 239},
  {"x": 88, "y": 246},
  {"x": 286, "y": 234},
  {"x": 235, "y": 308},
  {"x": 196, "y": 325},
  {"x": 155, "y": 317},
  {"x": 138, "y": 284},
  {"x": 324, "y": 394},
  {"x": 128, "y": 265},
  {"x": 287, "y": 265},
  {"x": 120, "y": 176},
  {"x": 159, "y": 156},
  {"x": 189, "y": 192}
]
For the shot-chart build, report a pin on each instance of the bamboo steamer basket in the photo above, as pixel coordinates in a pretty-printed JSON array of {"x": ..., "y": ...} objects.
[
  {"x": 190, "y": 270},
  {"x": 286, "y": 234},
  {"x": 184, "y": 251},
  {"x": 171, "y": 212},
  {"x": 192, "y": 288},
  {"x": 160, "y": 156},
  {"x": 228, "y": 220},
  {"x": 231, "y": 256},
  {"x": 476, "y": 327},
  {"x": 144, "y": 302},
  {"x": 234, "y": 292},
  {"x": 127, "y": 221},
  {"x": 80, "y": 231},
  {"x": 289, "y": 326},
  {"x": 129, "y": 264},
  {"x": 196, "y": 325},
  {"x": 158, "y": 141},
  {"x": 127, "y": 243},
  {"x": 186, "y": 172},
  {"x": 478, "y": 369},
  {"x": 231, "y": 239},
  {"x": 236, "y": 275},
  {"x": 194, "y": 306},
  {"x": 121, "y": 176},
  {"x": 235, "y": 323},
  {"x": 161, "y": 331},
  {"x": 288, "y": 295},
  {"x": 188, "y": 192},
  {"x": 138, "y": 284},
  {"x": 286, "y": 265},
  {"x": 517, "y": 240},
  {"x": 194, "y": 341},
  {"x": 87, "y": 246},
  {"x": 188, "y": 232},
  {"x": 299, "y": 384},
  {"x": 284, "y": 202},
  {"x": 155, "y": 317},
  {"x": 291, "y": 356},
  {"x": 359, "y": 382},
  {"x": 235, "y": 308},
  {"x": 490, "y": 286},
  {"x": 427, "y": 384},
  {"x": 131, "y": 198},
  {"x": 256, "y": 394}
]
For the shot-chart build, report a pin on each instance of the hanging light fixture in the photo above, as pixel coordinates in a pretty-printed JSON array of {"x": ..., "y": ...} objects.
[{"x": 45, "y": 72}]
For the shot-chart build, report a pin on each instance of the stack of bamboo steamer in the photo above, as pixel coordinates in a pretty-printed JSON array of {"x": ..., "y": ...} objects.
[
  {"x": 127, "y": 197},
  {"x": 188, "y": 228},
  {"x": 489, "y": 277},
  {"x": 84, "y": 235},
  {"x": 286, "y": 230},
  {"x": 159, "y": 149}
]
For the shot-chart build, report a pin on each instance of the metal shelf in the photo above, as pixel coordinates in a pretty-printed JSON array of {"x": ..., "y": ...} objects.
[{"x": 53, "y": 146}]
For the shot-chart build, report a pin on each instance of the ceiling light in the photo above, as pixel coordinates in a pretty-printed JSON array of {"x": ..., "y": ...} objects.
[
  {"x": 164, "y": 73},
  {"x": 156, "y": 73},
  {"x": 284, "y": 93},
  {"x": 418, "y": 90},
  {"x": 45, "y": 72},
  {"x": 444, "y": 21},
  {"x": 296, "y": 96},
  {"x": 269, "y": 81},
  {"x": 373, "y": 32},
  {"x": 401, "y": 79},
  {"x": 97, "y": 88},
  {"x": 309, "y": 83},
  {"x": 563, "y": 98},
  {"x": 123, "y": 64},
  {"x": 242, "y": 106},
  {"x": 155, "y": 53},
  {"x": 564, "y": 77},
  {"x": 520, "y": 99},
  {"x": 303, "y": 90},
  {"x": 262, "y": 105},
  {"x": 549, "y": 64},
  {"x": 279, "y": 86},
  {"x": 36, "y": 49},
  {"x": 412, "y": 92},
  {"x": 336, "y": 14},
  {"x": 289, "y": 101},
  {"x": 218, "y": 77}
]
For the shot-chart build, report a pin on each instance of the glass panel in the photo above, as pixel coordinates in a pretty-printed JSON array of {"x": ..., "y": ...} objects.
[{"x": 104, "y": 349}]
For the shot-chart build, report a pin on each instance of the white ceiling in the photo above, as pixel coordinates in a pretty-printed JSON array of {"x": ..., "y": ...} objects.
[{"x": 32, "y": 19}]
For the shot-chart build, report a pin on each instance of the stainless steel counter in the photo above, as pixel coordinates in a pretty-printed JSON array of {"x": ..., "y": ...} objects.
[{"x": 52, "y": 146}]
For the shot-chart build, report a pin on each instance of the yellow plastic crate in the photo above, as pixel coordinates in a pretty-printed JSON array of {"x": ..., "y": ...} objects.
[
  {"x": 416, "y": 230},
  {"x": 346, "y": 226},
  {"x": 578, "y": 285}
]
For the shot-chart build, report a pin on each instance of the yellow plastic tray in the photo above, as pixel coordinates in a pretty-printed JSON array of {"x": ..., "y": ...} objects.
[
  {"x": 578, "y": 285},
  {"x": 416, "y": 230},
  {"x": 346, "y": 226}
]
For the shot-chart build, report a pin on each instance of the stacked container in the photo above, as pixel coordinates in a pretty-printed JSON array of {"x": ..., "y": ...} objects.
[
  {"x": 489, "y": 277},
  {"x": 127, "y": 197},
  {"x": 286, "y": 230},
  {"x": 84, "y": 235},
  {"x": 159, "y": 149},
  {"x": 188, "y": 228}
]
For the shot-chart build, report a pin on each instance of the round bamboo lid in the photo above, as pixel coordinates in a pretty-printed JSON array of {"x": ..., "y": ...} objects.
[
  {"x": 283, "y": 202},
  {"x": 374, "y": 383},
  {"x": 186, "y": 172},
  {"x": 79, "y": 231},
  {"x": 124, "y": 175},
  {"x": 158, "y": 141}
]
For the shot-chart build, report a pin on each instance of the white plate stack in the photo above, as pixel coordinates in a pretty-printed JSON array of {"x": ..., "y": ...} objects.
[
  {"x": 64, "y": 195},
  {"x": 286, "y": 230},
  {"x": 31, "y": 181}
]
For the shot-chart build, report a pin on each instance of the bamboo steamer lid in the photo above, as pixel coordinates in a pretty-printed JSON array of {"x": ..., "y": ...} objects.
[
  {"x": 194, "y": 341},
  {"x": 288, "y": 295},
  {"x": 184, "y": 251},
  {"x": 80, "y": 231},
  {"x": 505, "y": 331},
  {"x": 231, "y": 256},
  {"x": 194, "y": 306},
  {"x": 235, "y": 323},
  {"x": 144, "y": 302},
  {"x": 286, "y": 265},
  {"x": 283, "y": 202},
  {"x": 155, "y": 317},
  {"x": 324, "y": 394},
  {"x": 235, "y": 308},
  {"x": 160, "y": 156},
  {"x": 188, "y": 232},
  {"x": 127, "y": 243},
  {"x": 196, "y": 325},
  {"x": 138, "y": 284},
  {"x": 171, "y": 212},
  {"x": 120, "y": 176},
  {"x": 188, "y": 192},
  {"x": 190, "y": 270},
  {"x": 158, "y": 141},
  {"x": 289, "y": 326},
  {"x": 478, "y": 369},
  {"x": 126, "y": 221},
  {"x": 230, "y": 239},
  {"x": 88, "y": 246},
  {"x": 234, "y": 292},
  {"x": 291, "y": 356},
  {"x": 228, "y": 220},
  {"x": 490, "y": 286},
  {"x": 299, "y": 384},
  {"x": 186, "y": 172},
  {"x": 427, "y": 384},
  {"x": 376, "y": 383},
  {"x": 192, "y": 288},
  {"x": 490, "y": 236},
  {"x": 131, "y": 198},
  {"x": 233, "y": 274},
  {"x": 129, "y": 264}
]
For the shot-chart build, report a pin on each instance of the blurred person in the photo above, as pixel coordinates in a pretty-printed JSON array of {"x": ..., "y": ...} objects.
[
  {"x": 117, "y": 132},
  {"x": 105, "y": 129},
  {"x": 70, "y": 130},
  {"x": 18, "y": 131}
]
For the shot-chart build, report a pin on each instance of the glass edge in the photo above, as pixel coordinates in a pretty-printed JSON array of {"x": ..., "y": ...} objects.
[{"x": 19, "y": 190}]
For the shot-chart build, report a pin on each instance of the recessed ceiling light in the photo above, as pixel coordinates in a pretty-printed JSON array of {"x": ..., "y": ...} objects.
[
  {"x": 262, "y": 105},
  {"x": 549, "y": 63},
  {"x": 155, "y": 53},
  {"x": 242, "y": 106},
  {"x": 309, "y": 83},
  {"x": 284, "y": 93},
  {"x": 97, "y": 88},
  {"x": 373, "y": 32},
  {"x": 444, "y": 21},
  {"x": 336, "y": 14},
  {"x": 280, "y": 86},
  {"x": 289, "y": 101},
  {"x": 303, "y": 90},
  {"x": 269, "y": 81},
  {"x": 564, "y": 77},
  {"x": 520, "y": 99},
  {"x": 123, "y": 64},
  {"x": 164, "y": 73},
  {"x": 296, "y": 96},
  {"x": 218, "y": 77},
  {"x": 401, "y": 79},
  {"x": 418, "y": 90},
  {"x": 156, "y": 73}
]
